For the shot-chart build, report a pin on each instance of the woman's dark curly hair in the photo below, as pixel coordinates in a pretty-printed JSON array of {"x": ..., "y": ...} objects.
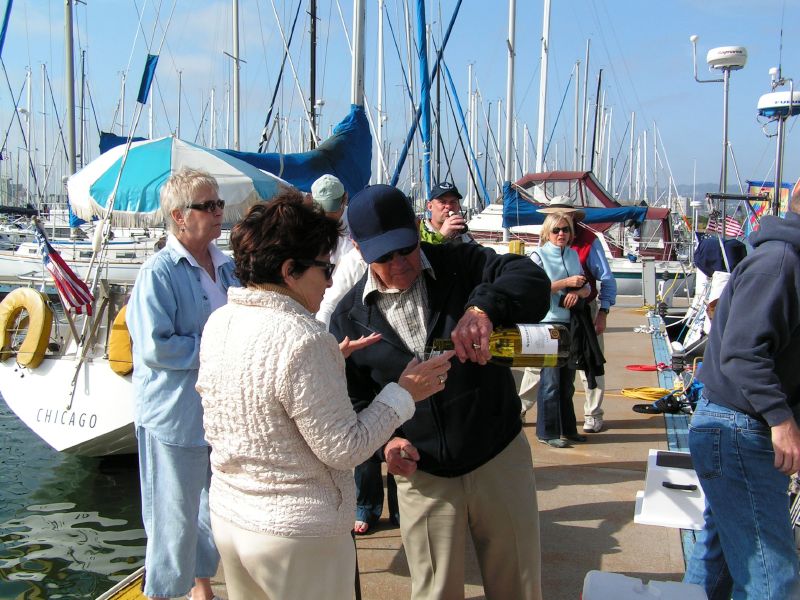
[{"x": 284, "y": 228}]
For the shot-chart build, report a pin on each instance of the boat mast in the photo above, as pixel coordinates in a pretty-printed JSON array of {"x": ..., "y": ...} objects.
[
  {"x": 235, "y": 57},
  {"x": 512, "y": 18},
  {"x": 28, "y": 127},
  {"x": 542, "y": 88},
  {"x": 69, "y": 82},
  {"x": 82, "y": 141},
  {"x": 576, "y": 135},
  {"x": 178, "y": 129},
  {"x": 312, "y": 99},
  {"x": 498, "y": 156},
  {"x": 630, "y": 157},
  {"x": 379, "y": 129},
  {"x": 585, "y": 106},
  {"x": 470, "y": 113},
  {"x": 44, "y": 134},
  {"x": 357, "y": 70}
]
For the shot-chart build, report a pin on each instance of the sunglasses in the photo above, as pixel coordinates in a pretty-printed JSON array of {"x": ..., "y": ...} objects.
[
  {"x": 557, "y": 230},
  {"x": 209, "y": 206},
  {"x": 327, "y": 266},
  {"x": 390, "y": 255}
]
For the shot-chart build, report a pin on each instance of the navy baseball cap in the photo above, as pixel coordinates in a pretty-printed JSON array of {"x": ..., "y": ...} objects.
[
  {"x": 444, "y": 188},
  {"x": 381, "y": 221}
]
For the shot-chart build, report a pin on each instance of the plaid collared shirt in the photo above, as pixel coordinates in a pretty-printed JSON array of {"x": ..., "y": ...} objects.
[{"x": 405, "y": 310}]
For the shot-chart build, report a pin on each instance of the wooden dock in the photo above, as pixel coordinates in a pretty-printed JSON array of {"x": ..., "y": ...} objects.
[{"x": 586, "y": 493}]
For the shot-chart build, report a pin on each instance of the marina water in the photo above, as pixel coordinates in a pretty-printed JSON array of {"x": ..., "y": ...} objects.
[{"x": 70, "y": 527}]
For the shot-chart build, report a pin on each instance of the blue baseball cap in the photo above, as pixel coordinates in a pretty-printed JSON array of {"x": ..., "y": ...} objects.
[
  {"x": 444, "y": 188},
  {"x": 381, "y": 221}
]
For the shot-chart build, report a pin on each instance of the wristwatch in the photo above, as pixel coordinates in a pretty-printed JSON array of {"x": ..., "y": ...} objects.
[{"x": 604, "y": 310}]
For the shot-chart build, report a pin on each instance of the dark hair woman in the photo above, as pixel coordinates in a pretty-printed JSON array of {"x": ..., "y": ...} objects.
[{"x": 283, "y": 432}]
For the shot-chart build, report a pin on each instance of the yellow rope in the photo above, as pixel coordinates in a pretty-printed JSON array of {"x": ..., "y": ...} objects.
[{"x": 650, "y": 394}]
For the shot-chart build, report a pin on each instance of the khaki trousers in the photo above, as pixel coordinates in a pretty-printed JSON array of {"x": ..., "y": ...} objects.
[
  {"x": 259, "y": 566},
  {"x": 496, "y": 503}
]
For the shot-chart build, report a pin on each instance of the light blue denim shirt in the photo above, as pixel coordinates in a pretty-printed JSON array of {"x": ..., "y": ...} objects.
[
  {"x": 166, "y": 314},
  {"x": 598, "y": 266}
]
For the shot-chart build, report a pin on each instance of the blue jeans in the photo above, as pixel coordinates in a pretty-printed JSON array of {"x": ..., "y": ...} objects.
[
  {"x": 746, "y": 549},
  {"x": 180, "y": 545},
  {"x": 555, "y": 414},
  {"x": 369, "y": 493}
]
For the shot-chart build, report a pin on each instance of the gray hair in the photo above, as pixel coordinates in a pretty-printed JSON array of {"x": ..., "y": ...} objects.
[{"x": 179, "y": 191}]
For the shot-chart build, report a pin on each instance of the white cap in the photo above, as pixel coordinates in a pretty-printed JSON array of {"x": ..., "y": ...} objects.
[{"x": 328, "y": 192}]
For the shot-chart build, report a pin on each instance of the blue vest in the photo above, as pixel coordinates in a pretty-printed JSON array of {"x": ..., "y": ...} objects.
[{"x": 558, "y": 266}]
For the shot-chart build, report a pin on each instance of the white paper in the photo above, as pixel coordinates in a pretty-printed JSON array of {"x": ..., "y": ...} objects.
[{"x": 536, "y": 339}]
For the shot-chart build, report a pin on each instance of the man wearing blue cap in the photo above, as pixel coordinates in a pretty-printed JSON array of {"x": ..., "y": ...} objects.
[
  {"x": 462, "y": 463},
  {"x": 445, "y": 222}
]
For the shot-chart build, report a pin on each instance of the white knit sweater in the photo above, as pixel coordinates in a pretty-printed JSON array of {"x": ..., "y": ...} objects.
[{"x": 277, "y": 415}]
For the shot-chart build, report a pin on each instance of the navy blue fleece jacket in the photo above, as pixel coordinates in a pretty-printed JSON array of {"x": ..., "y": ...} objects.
[{"x": 752, "y": 361}]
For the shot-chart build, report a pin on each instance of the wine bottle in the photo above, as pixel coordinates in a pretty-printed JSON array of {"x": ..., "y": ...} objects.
[{"x": 524, "y": 345}]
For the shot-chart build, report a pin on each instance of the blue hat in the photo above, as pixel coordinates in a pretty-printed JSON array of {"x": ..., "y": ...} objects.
[
  {"x": 381, "y": 221},
  {"x": 444, "y": 188}
]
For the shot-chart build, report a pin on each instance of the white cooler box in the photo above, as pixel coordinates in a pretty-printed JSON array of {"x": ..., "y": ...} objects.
[{"x": 598, "y": 585}]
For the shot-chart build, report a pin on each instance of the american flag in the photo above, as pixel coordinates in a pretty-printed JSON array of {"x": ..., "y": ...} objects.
[
  {"x": 732, "y": 227},
  {"x": 74, "y": 293}
]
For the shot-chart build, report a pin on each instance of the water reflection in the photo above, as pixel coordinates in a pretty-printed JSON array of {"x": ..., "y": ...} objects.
[{"x": 69, "y": 527}]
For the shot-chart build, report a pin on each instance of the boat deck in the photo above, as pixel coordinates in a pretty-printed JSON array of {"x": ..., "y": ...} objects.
[{"x": 586, "y": 494}]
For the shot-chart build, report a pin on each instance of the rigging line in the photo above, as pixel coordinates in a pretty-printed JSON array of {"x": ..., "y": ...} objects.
[
  {"x": 780, "y": 38},
  {"x": 11, "y": 122},
  {"x": 367, "y": 109},
  {"x": 622, "y": 58},
  {"x": 21, "y": 128},
  {"x": 400, "y": 58},
  {"x": 325, "y": 60},
  {"x": 55, "y": 112},
  {"x": 669, "y": 167},
  {"x": 94, "y": 110},
  {"x": 558, "y": 115},
  {"x": 264, "y": 138},
  {"x": 473, "y": 164},
  {"x": 294, "y": 72},
  {"x": 495, "y": 146}
]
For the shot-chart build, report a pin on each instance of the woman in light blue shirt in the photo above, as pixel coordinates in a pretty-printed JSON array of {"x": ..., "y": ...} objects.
[
  {"x": 555, "y": 412},
  {"x": 175, "y": 292}
]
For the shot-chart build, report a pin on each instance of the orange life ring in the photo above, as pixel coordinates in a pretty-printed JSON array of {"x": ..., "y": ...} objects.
[{"x": 37, "y": 335}]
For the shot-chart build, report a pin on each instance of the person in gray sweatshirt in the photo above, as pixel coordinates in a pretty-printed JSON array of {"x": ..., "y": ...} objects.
[{"x": 744, "y": 436}]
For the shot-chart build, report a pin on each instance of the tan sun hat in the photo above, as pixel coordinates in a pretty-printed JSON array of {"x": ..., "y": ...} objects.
[{"x": 563, "y": 204}]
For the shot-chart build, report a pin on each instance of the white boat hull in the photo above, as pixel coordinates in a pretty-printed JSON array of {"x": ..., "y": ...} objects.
[{"x": 100, "y": 419}]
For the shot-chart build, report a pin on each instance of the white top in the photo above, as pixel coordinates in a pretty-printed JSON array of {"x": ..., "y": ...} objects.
[
  {"x": 277, "y": 415},
  {"x": 349, "y": 269}
]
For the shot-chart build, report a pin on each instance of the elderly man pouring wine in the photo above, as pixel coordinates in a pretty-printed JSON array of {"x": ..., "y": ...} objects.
[{"x": 462, "y": 462}]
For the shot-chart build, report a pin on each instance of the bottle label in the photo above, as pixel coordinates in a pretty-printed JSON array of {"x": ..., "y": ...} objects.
[{"x": 538, "y": 339}]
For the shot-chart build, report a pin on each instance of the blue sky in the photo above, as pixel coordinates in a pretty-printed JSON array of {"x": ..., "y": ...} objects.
[{"x": 641, "y": 45}]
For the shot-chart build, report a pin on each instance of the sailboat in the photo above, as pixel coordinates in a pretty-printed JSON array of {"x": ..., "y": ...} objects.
[{"x": 65, "y": 374}]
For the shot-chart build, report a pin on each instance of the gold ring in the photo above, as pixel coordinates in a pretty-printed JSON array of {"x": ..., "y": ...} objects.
[
  {"x": 441, "y": 379},
  {"x": 476, "y": 346}
]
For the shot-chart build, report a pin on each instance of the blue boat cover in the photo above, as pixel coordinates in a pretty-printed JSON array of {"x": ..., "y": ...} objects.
[
  {"x": 347, "y": 154},
  {"x": 521, "y": 211}
]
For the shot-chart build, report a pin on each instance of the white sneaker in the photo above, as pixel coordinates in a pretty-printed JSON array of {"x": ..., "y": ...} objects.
[{"x": 593, "y": 424}]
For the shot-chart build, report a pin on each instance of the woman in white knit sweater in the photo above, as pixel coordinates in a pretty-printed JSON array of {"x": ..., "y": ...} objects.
[{"x": 278, "y": 417}]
